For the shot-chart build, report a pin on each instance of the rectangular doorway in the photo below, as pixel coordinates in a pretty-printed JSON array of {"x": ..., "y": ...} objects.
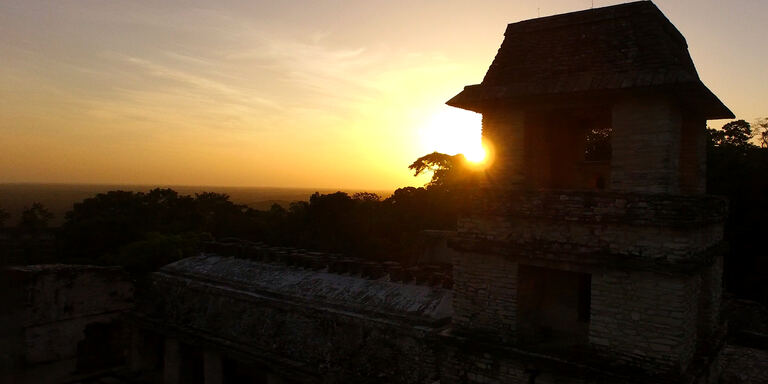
[{"x": 553, "y": 307}]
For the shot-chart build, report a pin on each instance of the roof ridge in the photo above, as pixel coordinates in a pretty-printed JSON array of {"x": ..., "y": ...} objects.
[{"x": 584, "y": 16}]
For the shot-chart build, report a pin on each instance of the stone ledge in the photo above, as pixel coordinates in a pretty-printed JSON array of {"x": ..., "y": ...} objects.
[
  {"x": 601, "y": 207},
  {"x": 564, "y": 253}
]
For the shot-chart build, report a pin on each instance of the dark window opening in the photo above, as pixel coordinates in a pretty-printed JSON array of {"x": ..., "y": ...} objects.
[
  {"x": 598, "y": 144},
  {"x": 553, "y": 307},
  {"x": 600, "y": 182},
  {"x": 237, "y": 372},
  {"x": 568, "y": 148},
  {"x": 191, "y": 365},
  {"x": 102, "y": 347}
]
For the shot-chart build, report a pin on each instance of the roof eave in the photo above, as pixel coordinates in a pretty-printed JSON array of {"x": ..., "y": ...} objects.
[{"x": 696, "y": 96}]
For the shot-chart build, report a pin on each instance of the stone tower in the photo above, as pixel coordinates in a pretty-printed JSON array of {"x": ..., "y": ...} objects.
[{"x": 592, "y": 239}]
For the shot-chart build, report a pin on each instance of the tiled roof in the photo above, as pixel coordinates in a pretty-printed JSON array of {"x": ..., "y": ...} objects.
[{"x": 615, "y": 48}]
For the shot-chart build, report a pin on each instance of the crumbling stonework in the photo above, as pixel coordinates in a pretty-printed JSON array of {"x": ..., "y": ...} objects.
[
  {"x": 64, "y": 321},
  {"x": 745, "y": 365},
  {"x": 485, "y": 295},
  {"x": 311, "y": 325},
  {"x": 644, "y": 319},
  {"x": 666, "y": 228}
]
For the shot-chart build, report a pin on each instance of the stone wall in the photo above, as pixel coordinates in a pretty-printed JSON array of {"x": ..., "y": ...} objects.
[
  {"x": 667, "y": 227},
  {"x": 646, "y": 145},
  {"x": 485, "y": 295},
  {"x": 710, "y": 304},
  {"x": 653, "y": 262},
  {"x": 63, "y": 320},
  {"x": 637, "y": 318},
  {"x": 693, "y": 156},
  {"x": 645, "y": 319},
  {"x": 504, "y": 138},
  {"x": 472, "y": 362}
]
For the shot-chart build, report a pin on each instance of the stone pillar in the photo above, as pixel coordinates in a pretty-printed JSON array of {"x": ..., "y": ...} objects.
[
  {"x": 213, "y": 371},
  {"x": 710, "y": 299},
  {"x": 646, "y": 145},
  {"x": 503, "y": 135},
  {"x": 137, "y": 360},
  {"x": 693, "y": 156},
  {"x": 172, "y": 362}
]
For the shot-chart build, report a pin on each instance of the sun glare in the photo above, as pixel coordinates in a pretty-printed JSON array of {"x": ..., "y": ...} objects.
[{"x": 453, "y": 131}]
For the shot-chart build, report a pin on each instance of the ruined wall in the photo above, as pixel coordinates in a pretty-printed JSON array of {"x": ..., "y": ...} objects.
[
  {"x": 63, "y": 320},
  {"x": 485, "y": 295},
  {"x": 645, "y": 319},
  {"x": 333, "y": 328},
  {"x": 653, "y": 261},
  {"x": 673, "y": 228}
]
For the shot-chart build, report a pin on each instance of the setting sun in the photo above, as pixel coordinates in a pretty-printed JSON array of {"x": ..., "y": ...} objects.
[{"x": 453, "y": 131}]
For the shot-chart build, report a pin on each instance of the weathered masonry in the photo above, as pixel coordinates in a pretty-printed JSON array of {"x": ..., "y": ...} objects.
[
  {"x": 592, "y": 239},
  {"x": 60, "y": 323}
]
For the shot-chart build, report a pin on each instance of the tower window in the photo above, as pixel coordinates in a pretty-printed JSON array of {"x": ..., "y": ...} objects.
[
  {"x": 553, "y": 306},
  {"x": 598, "y": 144}
]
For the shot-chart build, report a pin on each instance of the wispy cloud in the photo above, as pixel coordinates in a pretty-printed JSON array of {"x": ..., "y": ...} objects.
[{"x": 211, "y": 88}]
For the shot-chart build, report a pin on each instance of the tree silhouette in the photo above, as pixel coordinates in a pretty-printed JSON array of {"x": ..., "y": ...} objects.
[
  {"x": 762, "y": 132},
  {"x": 366, "y": 196},
  {"x": 736, "y": 134},
  {"x": 34, "y": 218},
  {"x": 736, "y": 169},
  {"x": 447, "y": 170}
]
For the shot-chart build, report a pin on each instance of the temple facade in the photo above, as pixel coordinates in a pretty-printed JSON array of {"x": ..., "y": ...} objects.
[{"x": 592, "y": 238}]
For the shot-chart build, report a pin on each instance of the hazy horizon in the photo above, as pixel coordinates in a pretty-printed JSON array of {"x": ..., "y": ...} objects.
[
  {"x": 59, "y": 197},
  {"x": 165, "y": 185}
]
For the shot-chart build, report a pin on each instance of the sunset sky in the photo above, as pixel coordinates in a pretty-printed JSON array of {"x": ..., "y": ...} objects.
[{"x": 327, "y": 94}]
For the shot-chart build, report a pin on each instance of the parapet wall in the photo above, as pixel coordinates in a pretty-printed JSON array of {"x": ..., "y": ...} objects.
[
  {"x": 434, "y": 274},
  {"x": 661, "y": 228}
]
